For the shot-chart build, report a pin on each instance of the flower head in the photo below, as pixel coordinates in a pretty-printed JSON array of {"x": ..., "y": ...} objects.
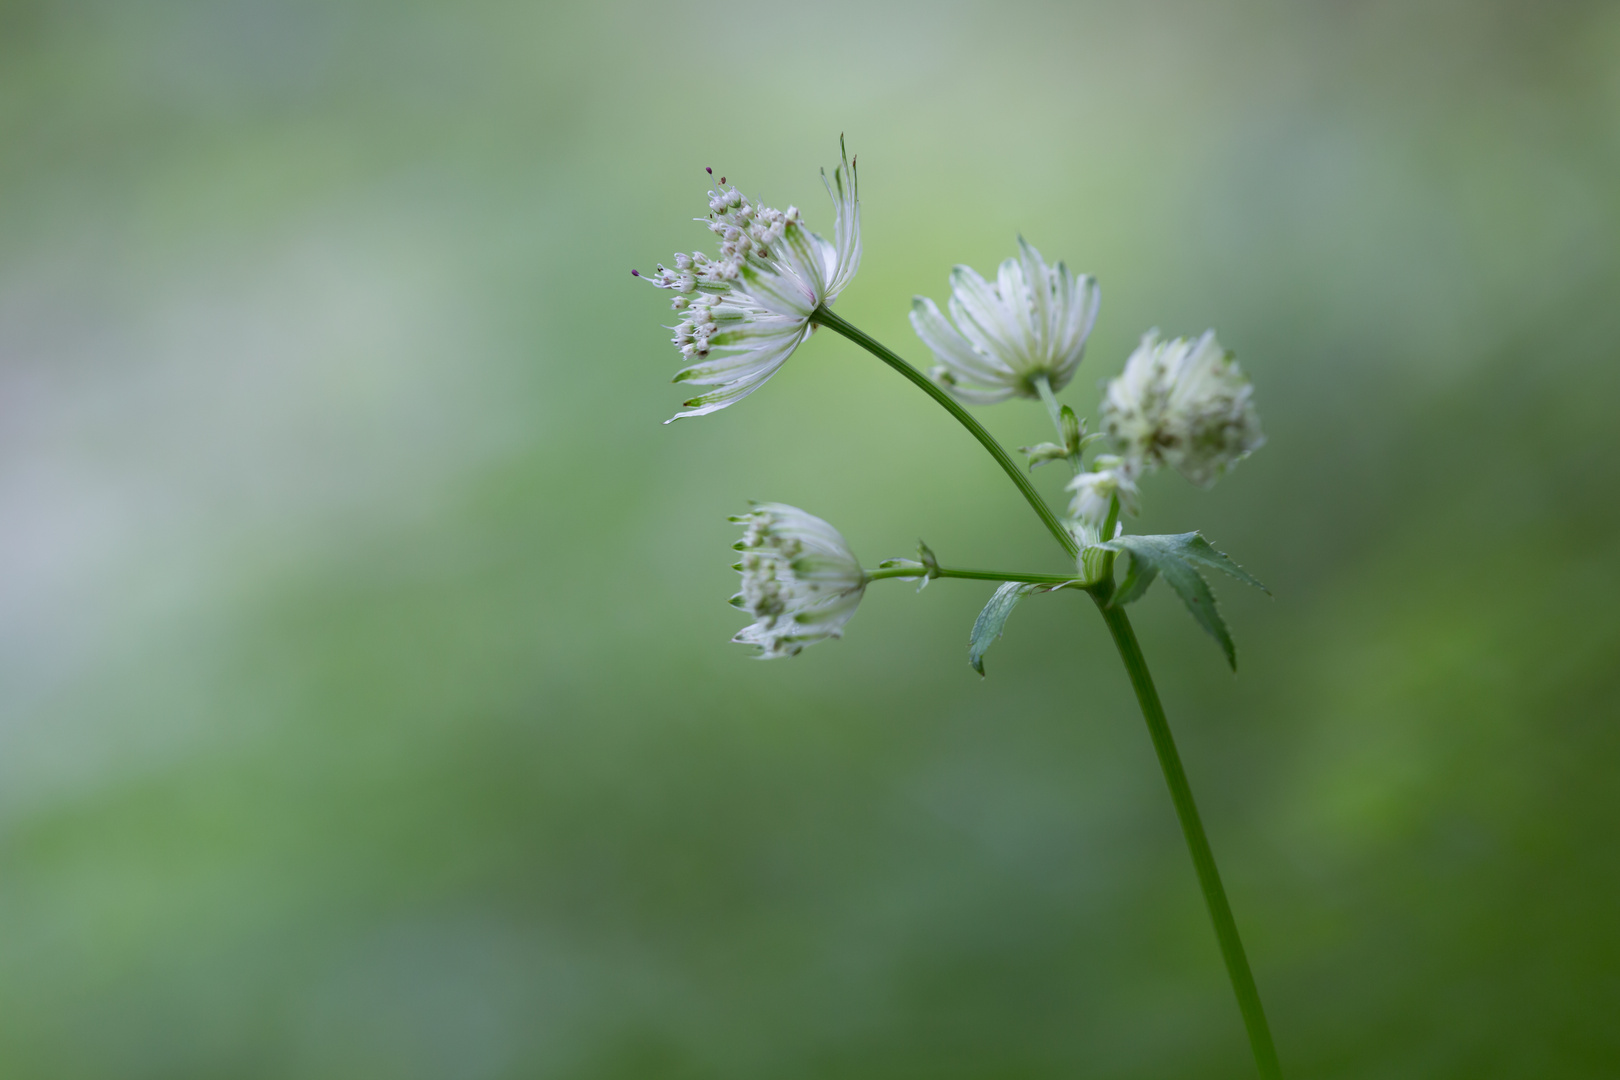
[
  {"x": 800, "y": 581},
  {"x": 1183, "y": 403},
  {"x": 1033, "y": 321},
  {"x": 746, "y": 310}
]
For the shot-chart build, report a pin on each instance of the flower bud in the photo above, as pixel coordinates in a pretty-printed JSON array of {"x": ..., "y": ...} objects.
[
  {"x": 1094, "y": 492},
  {"x": 1031, "y": 323}
]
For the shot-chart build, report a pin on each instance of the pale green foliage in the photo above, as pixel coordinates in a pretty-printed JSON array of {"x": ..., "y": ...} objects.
[
  {"x": 1177, "y": 558},
  {"x": 993, "y": 619}
]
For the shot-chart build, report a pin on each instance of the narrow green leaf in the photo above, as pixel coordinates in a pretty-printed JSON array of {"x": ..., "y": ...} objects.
[
  {"x": 1195, "y": 593},
  {"x": 988, "y": 626}
]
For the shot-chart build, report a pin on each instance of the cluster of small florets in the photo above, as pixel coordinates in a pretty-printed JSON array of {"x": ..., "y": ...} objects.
[
  {"x": 747, "y": 228},
  {"x": 800, "y": 581},
  {"x": 763, "y": 552},
  {"x": 1182, "y": 403},
  {"x": 692, "y": 334},
  {"x": 692, "y": 273},
  {"x": 702, "y": 284}
]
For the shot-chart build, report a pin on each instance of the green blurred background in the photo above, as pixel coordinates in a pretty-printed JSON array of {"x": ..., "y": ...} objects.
[{"x": 365, "y": 702}]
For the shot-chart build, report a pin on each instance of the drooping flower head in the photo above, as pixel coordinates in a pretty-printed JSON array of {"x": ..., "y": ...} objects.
[
  {"x": 746, "y": 310},
  {"x": 1183, "y": 403},
  {"x": 1033, "y": 321},
  {"x": 800, "y": 581}
]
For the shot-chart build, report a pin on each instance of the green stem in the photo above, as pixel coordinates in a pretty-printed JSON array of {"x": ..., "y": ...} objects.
[
  {"x": 973, "y": 575},
  {"x": 1209, "y": 878},
  {"x": 1043, "y": 386},
  {"x": 826, "y": 318},
  {"x": 1105, "y": 565}
]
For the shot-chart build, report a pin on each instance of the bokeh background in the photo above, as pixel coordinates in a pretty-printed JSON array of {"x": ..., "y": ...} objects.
[{"x": 366, "y": 707}]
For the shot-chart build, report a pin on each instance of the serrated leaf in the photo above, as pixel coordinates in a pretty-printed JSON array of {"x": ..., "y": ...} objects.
[
  {"x": 988, "y": 626},
  {"x": 1201, "y": 551},
  {"x": 1176, "y": 557},
  {"x": 1138, "y": 576}
]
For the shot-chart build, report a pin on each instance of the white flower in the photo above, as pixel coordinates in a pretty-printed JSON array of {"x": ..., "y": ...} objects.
[
  {"x": 748, "y": 309},
  {"x": 1033, "y": 321},
  {"x": 800, "y": 581},
  {"x": 1185, "y": 404},
  {"x": 1094, "y": 491}
]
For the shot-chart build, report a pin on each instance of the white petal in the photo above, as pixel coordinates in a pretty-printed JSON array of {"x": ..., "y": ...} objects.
[
  {"x": 1014, "y": 292},
  {"x": 979, "y": 316},
  {"x": 976, "y": 397},
  {"x": 846, "y": 226},
  {"x": 774, "y": 287},
  {"x": 954, "y": 350},
  {"x": 756, "y": 366}
]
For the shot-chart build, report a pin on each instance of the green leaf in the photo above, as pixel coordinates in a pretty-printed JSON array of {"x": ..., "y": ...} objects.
[
  {"x": 1138, "y": 576},
  {"x": 988, "y": 626},
  {"x": 1177, "y": 557},
  {"x": 1198, "y": 550}
]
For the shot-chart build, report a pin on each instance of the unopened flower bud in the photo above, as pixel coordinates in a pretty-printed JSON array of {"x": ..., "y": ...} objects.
[
  {"x": 1031, "y": 323},
  {"x": 1095, "y": 491}
]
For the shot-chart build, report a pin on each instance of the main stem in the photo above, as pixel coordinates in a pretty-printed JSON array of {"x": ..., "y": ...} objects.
[
  {"x": 1192, "y": 827},
  {"x": 826, "y": 318}
]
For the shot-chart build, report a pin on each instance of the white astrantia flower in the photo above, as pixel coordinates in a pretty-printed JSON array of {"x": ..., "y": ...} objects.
[
  {"x": 1183, "y": 403},
  {"x": 748, "y": 309},
  {"x": 1094, "y": 491},
  {"x": 1033, "y": 321},
  {"x": 800, "y": 581}
]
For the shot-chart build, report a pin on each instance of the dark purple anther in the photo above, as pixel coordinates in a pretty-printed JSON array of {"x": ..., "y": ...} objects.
[
  {"x": 635, "y": 273},
  {"x": 708, "y": 170}
]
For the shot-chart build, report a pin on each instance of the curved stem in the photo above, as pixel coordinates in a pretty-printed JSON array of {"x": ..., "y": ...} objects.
[
  {"x": 826, "y": 318},
  {"x": 1192, "y": 827}
]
